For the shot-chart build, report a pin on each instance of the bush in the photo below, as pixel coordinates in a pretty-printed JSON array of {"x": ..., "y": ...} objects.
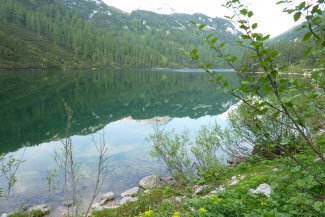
[{"x": 187, "y": 162}]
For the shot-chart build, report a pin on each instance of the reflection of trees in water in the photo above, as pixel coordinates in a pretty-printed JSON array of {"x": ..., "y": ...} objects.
[{"x": 31, "y": 107}]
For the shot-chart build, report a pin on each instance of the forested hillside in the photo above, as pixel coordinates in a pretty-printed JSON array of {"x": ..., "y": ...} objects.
[
  {"x": 295, "y": 50},
  {"x": 84, "y": 34}
]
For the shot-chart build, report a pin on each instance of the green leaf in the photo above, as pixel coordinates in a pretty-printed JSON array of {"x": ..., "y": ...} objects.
[
  {"x": 280, "y": 2},
  {"x": 244, "y": 83},
  {"x": 243, "y": 11},
  {"x": 194, "y": 51},
  {"x": 245, "y": 37},
  {"x": 289, "y": 11},
  {"x": 232, "y": 59},
  {"x": 225, "y": 84},
  {"x": 301, "y": 182},
  {"x": 297, "y": 16},
  {"x": 316, "y": 10},
  {"x": 274, "y": 54},
  {"x": 250, "y": 14},
  {"x": 285, "y": 141},
  {"x": 208, "y": 36},
  {"x": 266, "y": 37},
  {"x": 243, "y": 27},
  {"x": 307, "y": 36},
  {"x": 301, "y": 5},
  {"x": 219, "y": 78},
  {"x": 282, "y": 88},
  {"x": 214, "y": 40},
  {"x": 242, "y": 21},
  {"x": 254, "y": 26},
  {"x": 209, "y": 65},
  {"x": 276, "y": 114},
  {"x": 264, "y": 110},
  {"x": 202, "y": 26},
  {"x": 317, "y": 205}
]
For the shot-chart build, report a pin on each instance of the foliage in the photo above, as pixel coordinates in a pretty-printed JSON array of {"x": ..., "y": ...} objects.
[
  {"x": 68, "y": 166},
  {"x": 9, "y": 166},
  {"x": 189, "y": 162},
  {"x": 262, "y": 135},
  {"x": 279, "y": 98},
  {"x": 287, "y": 198},
  {"x": 279, "y": 115},
  {"x": 33, "y": 213},
  {"x": 206, "y": 150},
  {"x": 70, "y": 170},
  {"x": 171, "y": 148},
  {"x": 294, "y": 193}
]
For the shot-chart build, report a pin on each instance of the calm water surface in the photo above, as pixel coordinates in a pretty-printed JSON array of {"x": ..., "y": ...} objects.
[{"x": 121, "y": 105}]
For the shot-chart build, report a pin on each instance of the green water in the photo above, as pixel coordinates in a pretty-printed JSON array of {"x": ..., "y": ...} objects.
[{"x": 120, "y": 104}]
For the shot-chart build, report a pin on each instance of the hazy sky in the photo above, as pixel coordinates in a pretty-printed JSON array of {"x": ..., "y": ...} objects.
[{"x": 269, "y": 16}]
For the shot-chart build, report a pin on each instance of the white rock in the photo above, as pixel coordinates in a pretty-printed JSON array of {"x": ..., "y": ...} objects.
[
  {"x": 215, "y": 191},
  {"x": 131, "y": 192},
  {"x": 111, "y": 206},
  {"x": 173, "y": 199},
  {"x": 128, "y": 199},
  {"x": 233, "y": 180},
  {"x": 107, "y": 197},
  {"x": 25, "y": 207},
  {"x": 168, "y": 180},
  {"x": 44, "y": 208},
  {"x": 200, "y": 189},
  {"x": 95, "y": 206},
  {"x": 67, "y": 203},
  {"x": 262, "y": 189},
  {"x": 150, "y": 182},
  {"x": 5, "y": 215}
]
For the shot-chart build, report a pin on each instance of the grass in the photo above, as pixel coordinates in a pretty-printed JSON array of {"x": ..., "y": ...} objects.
[
  {"x": 34, "y": 213},
  {"x": 295, "y": 193}
]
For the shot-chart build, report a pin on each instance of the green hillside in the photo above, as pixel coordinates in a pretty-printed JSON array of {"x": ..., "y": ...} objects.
[{"x": 86, "y": 34}]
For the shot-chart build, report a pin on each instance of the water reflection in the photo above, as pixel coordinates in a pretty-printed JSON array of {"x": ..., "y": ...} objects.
[
  {"x": 121, "y": 104},
  {"x": 32, "y": 111}
]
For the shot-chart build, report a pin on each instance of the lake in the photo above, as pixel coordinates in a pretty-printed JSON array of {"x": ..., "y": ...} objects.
[{"x": 122, "y": 105}]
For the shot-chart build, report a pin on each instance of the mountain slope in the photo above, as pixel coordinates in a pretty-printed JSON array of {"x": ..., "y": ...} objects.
[
  {"x": 88, "y": 33},
  {"x": 293, "y": 48}
]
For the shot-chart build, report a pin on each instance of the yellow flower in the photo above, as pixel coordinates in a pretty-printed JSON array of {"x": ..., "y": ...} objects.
[
  {"x": 148, "y": 213},
  {"x": 176, "y": 214},
  {"x": 202, "y": 210}
]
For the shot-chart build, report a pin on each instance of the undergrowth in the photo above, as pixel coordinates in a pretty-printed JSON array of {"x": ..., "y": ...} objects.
[{"x": 294, "y": 193}]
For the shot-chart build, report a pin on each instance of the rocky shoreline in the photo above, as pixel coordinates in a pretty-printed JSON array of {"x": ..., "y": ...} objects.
[
  {"x": 107, "y": 200},
  {"x": 110, "y": 200},
  {"x": 145, "y": 185}
]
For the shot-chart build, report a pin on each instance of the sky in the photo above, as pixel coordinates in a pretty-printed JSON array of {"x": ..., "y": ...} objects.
[{"x": 269, "y": 16}]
